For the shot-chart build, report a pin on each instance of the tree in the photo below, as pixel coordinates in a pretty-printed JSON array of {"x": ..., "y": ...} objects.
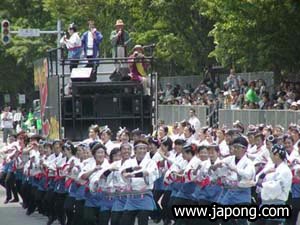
[
  {"x": 256, "y": 34},
  {"x": 17, "y": 58},
  {"x": 182, "y": 42}
]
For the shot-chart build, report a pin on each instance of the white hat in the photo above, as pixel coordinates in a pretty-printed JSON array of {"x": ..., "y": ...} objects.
[
  {"x": 298, "y": 102},
  {"x": 294, "y": 104}
]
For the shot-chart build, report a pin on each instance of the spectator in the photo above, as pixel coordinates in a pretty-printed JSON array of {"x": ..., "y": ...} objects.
[
  {"x": 168, "y": 94},
  {"x": 7, "y": 123},
  {"x": 193, "y": 120},
  {"x": 138, "y": 66},
  {"x": 285, "y": 94},
  {"x": 251, "y": 95},
  {"x": 18, "y": 117},
  {"x": 119, "y": 39},
  {"x": 235, "y": 99},
  {"x": 91, "y": 40},
  {"x": 294, "y": 106},
  {"x": 232, "y": 80},
  {"x": 177, "y": 90},
  {"x": 73, "y": 44},
  {"x": 261, "y": 86},
  {"x": 68, "y": 88},
  {"x": 265, "y": 102}
]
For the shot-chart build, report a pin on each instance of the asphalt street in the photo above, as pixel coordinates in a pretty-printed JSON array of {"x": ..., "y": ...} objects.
[{"x": 14, "y": 214}]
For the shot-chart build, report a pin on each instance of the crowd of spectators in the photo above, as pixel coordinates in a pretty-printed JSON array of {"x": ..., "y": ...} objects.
[{"x": 234, "y": 93}]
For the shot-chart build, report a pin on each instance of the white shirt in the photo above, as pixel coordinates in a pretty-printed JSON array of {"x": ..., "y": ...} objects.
[
  {"x": 110, "y": 146},
  {"x": 224, "y": 149},
  {"x": 35, "y": 169},
  {"x": 72, "y": 42},
  {"x": 262, "y": 155},
  {"x": 174, "y": 137},
  {"x": 277, "y": 185},
  {"x": 202, "y": 143},
  {"x": 217, "y": 173},
  {"x": 251, "y": 151},
  {"x": 17, "y": 117},
  {"x": 7, "y": 120},
  {"x": 95, "y": 181},
  {"x": 293, "y": 156},
  {"x": 178, "y": 164},
  {"x": 245, "y": 171},
  {"x": 73, "y": 172},
  {"x": 190, "y": 140},
  {"x": 85, "y": 166},
  {"x": 190, "y": 168},
  {"x": 195, "y": 122},
  {"x": 51, "y": 162},
  {"x": 90, "y": 43},
  {"x": 90, "y": 140},
  {"x": 142, "y": 183},
  {"x": 115, "y": 180}
]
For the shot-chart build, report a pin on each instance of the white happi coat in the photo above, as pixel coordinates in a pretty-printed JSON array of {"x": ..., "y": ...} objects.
[
  {"x": 190, "y": 168},
  {"x": 224, "y": 149},
  {"x": 262, "y": 155},
  {"x": 252, "y": 149},
  {"x": 178, "y": 164},
  {"x": 140, "y": 184},
  {"x": 85, "y": 166},
  {"x": 35, "y": 167},
  {"x": 115, "y": 181},
  {"x": 277, "y": 185},
  {"x": 244, "y": 177},
  {"x": 51, "y": 162},
  {"x": 95, "y": 180}
]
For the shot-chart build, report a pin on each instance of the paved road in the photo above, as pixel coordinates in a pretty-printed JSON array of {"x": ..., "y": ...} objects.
[{"x": 14, "y": 214}]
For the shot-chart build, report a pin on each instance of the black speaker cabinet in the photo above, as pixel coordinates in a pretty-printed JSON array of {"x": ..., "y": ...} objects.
[{"x": 106, "y": 106}]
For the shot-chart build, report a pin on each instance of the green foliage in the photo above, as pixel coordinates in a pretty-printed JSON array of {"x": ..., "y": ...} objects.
[
  {"x": 180, "y": 31},
  {"x": 256, "y": 34},
  {"x": 189, "y": 34},
  {"x": 16, "y": 74}
]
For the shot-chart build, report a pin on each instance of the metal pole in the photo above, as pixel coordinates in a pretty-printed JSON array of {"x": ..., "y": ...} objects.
[
  {"x": 59, "y": 88},
  {"x": 155, "y": 102}
]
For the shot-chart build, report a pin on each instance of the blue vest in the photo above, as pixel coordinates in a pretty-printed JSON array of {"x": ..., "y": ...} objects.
[
  {"x": 186, "y": 191},
  {"x": 296, "y": 190},
  {"x": 235, "y": 196}
]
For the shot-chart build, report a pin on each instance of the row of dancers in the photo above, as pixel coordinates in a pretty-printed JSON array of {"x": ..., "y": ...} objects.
[{"x": 98, "y": 181}]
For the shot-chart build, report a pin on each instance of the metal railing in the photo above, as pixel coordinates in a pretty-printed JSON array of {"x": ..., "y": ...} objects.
[
  {"x": 225, "y": 117},
  {"x": 247, "y": 117},
  {"x": 176, "y": 113}
]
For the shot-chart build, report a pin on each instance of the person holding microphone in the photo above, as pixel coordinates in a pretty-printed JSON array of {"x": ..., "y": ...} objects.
[
  {"x": 73, "y": 44},
  {"x": 119, "y": 39},
  {"x": 91, "y": 40}
]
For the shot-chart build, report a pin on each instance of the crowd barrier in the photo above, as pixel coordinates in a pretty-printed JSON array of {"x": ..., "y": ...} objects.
[
  {"x": 226, "y": 117},
  {"x": 176, "y": 113},
  {"x": 270, "y": 117}
]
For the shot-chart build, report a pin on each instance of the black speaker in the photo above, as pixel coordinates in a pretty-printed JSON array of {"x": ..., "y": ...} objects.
[
  {"x": 67, "y": 106},
  {"x": 83, "y": 74},
  {"x": 106, "y": 106},
  {"x": 136, "y": 106},
  {"x": 126, "y": 105},
  {"x": 87, "y": 106}
]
